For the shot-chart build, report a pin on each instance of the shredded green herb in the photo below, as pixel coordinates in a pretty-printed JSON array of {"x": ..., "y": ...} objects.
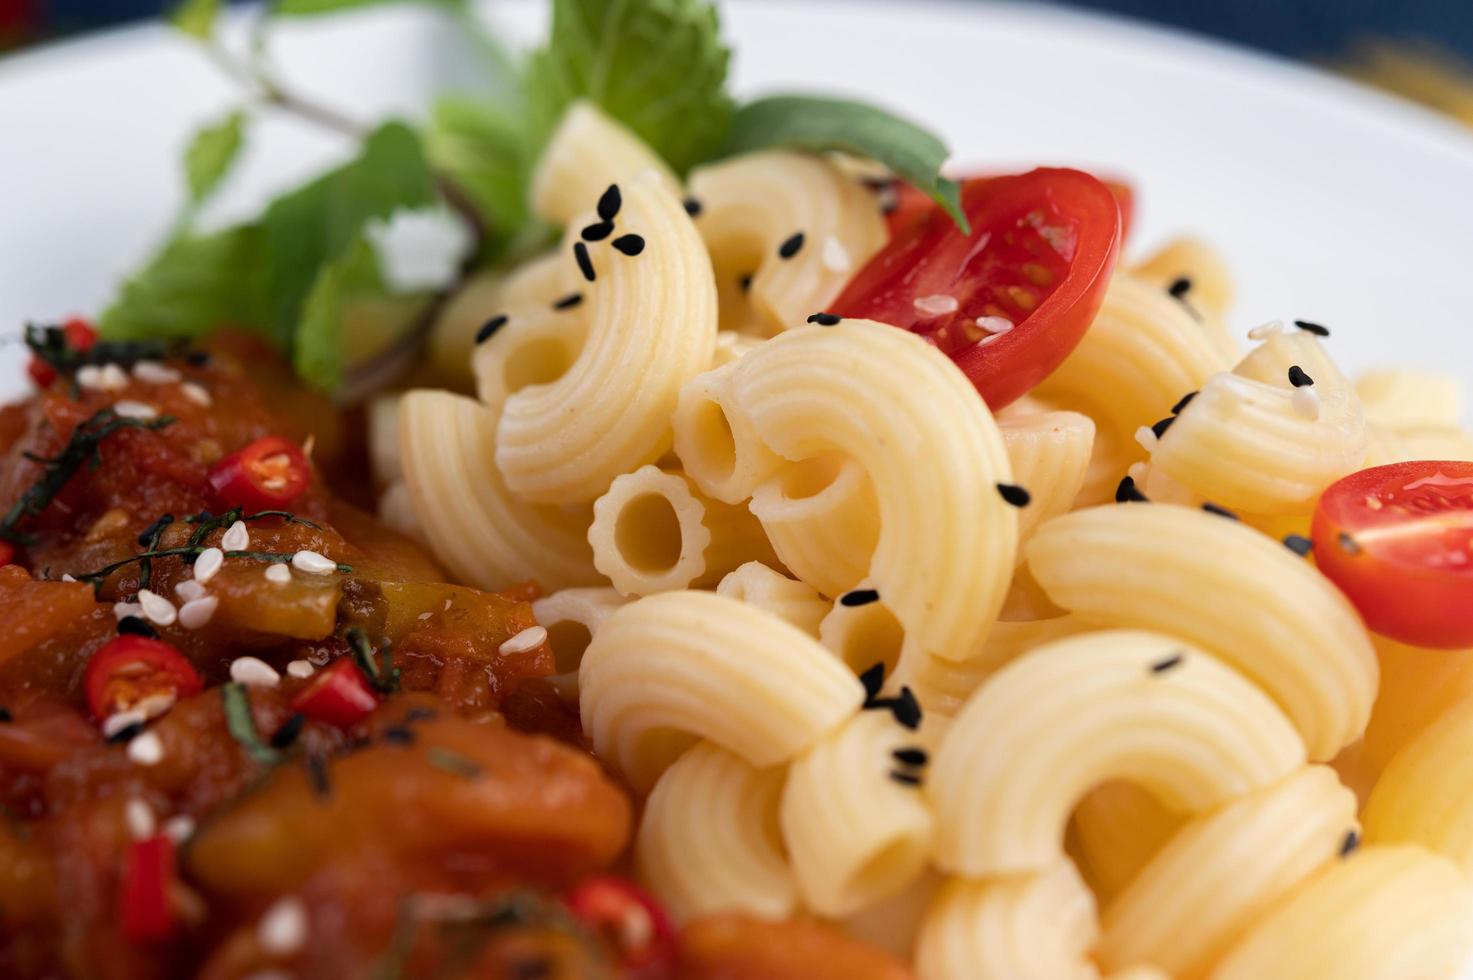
[
  {"x": 242, "y": 725},
  {"x": 50, "y": 344},
  {"x": 377, "y": 667},
  {"x": 206, "y": 522},
  {"x": 452, "y": 762}
]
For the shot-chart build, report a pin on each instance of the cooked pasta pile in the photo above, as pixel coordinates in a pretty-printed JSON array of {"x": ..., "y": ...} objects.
[{"x": 1052, "y": 693}]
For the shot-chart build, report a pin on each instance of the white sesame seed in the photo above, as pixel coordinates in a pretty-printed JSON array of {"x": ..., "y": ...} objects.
[
  {"x": 1139, "y": 471},
  {"x": 237, "y": 538},
  {"x": 995, "y": 324},
  {"x": 196, "y": 393},
  {"x": 253, "y": 672},
  {"x": 130, "y": 409},
  {"x": 68, "y": 577},
  {"x": 283, "y": 929},
  {"x": 157, "y": 609},
  {"x": 155, "y": 373},
  {"x": 313, "y": 563},
  {"x": 89, "y": 376},
  {"x": 1306, "y": 402},
  {"x": 207, "y": 564},
  {"x": 425, "y": 615},
  {"x": 179, "y": 828},
  {"x": 835, "y": 256},
  {"x": 300, "y": 668},
  {"x": 1146, "y": 438},
  {"x": 146, "y": 750},
  {"x": 139, "y": 817},
  {"x": 1266, "y": 330},
  {"x": 113, "y": 724},
  {"x": 189, "y": 590},
  {"x": 197, "y": 612},
  {"x": 122, "y": 610},
  {"x": 112, "y": 378},
  {"x": 937, "y": 304},
  {"x": 278, "y": 574},
  {"x": 528, "y": 639}
]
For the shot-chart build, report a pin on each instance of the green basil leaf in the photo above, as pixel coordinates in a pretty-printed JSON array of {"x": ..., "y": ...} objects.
[
  {"x": 196, "y": 17},
  {"x": 485, "y": 150},
  {"x": 311, "y": 8},
  {"x": 211, "y": 153},
  {"x": 658, "y": 66},
  {"x": 817, "y": 123}
]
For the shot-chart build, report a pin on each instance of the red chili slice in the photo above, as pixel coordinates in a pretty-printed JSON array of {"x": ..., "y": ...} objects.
[
  {"x": 80, "y": 336},
  {"x": 268, "y": 474},
  {"x": 630, "y": 921},
  {"x": 137, "y": 672},
  {"x": 144, "y": 905},
  {"x": 339, "y": 695}
]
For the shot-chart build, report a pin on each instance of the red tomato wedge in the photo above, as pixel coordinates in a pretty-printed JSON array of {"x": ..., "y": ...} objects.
[
  {"x": 268, "y": 474},
  {"x": 1398, "y": 541},
  {"x": 1036, "y": 265},
  {"x": 137, "y": 673}
]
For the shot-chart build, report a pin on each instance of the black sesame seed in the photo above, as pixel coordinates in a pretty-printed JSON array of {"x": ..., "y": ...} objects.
[
  {"x": 197, "y": 358},
  {"x": 1219, "y": 511},
  {"x": 146, "y": 539},
  {"x": 1349, "y": 843},
  {"x": 489, "y": 328},
  {"x": 568, "y": 302},
  {"x": 1179, "y": 287},
  {"x": 911, "y": 756},
  {"x": 629, "y": 244},
  {"x": 1347, "y": 544},
  {"x": 136, "y": 626},
  {"x": 610, "y": 202},
  {"x": 5, "y": 716},
  {"x": 585, "y": 263},
  {"x": 692, "y": 206},
  {"x": 1166, "y": 663},
  {"x": 419, "y": 714},
  {"x": 1298, "y": 544},
  {"x": 790, "y": 245},
  {"x": 859, "y": 597},
  {"x": 745, "y": 282},
  {"x": 906, "y": 778},
  {"x": 398, "y": 735},
  {"x": 1298, "y": 378},
  {"x": 873, "y": 679},
  {"x": 1313, "y": 328},
  {"x": 1014, "y": 494},
  {"x": 597, "y": 231},
  {"x": 127, "y": 733},
  {"x": 824, "y": 319},
  {"x": 317, "y": 775},
  {"x": 1128, "y": 493},
  {"x": 1160, "y": 427},
  {"x": 289, "y": 730},
  {"x": 1185, "y": 401},
  {"x": 907, "y": 709}
]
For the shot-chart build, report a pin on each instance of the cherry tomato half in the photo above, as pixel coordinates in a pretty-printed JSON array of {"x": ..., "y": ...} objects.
[
  {"x": 268, "y": 474},
  {"x": 1037, "y": 262},
  {"x": 144, "y": 906},
  {"x": 629, "y": 919},
  {"x": 339, "y": 695},
  {"x": 912, "y": 206},
  {"x": 137, "y": 672},
  {"x": 80, "y": 337},
  {"x": 1398, "y": 541}
]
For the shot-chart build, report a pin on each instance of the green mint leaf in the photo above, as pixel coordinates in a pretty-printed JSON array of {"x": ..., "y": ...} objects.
[
  {"x": 317, "y": 352},
  {"x": 311, "y": 227},
  {"x": 196, "y": 17},
  {"x": 193, "y": 285},
  {"x": 816, "y": 123},
  {"x": 311, "y": 8},
  {"x": 485, "y": 150},
  {"x": 211, "y": 154},
  {"x": 657, "y": 66}
]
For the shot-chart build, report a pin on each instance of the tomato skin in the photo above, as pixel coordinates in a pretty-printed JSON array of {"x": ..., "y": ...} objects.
[
  {"x": 1042, "y": 247},
  {"x": 7, "y": 553},
  {"x": 630, "y": 918},
  {"x": 339, "y": 695},
  {"x": 131, "y": 667},
  {"x": 268, "y": 474},
  {"x": 144, "y": 908},
  {"x": 1404, "y": 561}
]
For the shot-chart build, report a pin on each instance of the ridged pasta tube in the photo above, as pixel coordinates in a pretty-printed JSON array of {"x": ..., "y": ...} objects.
[
  {"x": 823, "y": 520},
  {"x": 767, "y": 588},
  {"x": 1402, "y": 399},
  {"x": 1384, "y": 912},
  {"x": 534, "y": 346},
  {"x": 1115, "y": 831},
  {"x": 902, "y": 410},
  {"x": 479, "y": 530},
  {"x": 383, "y": 438},
  {"x": 753, "y": 205},
  {"x": 1418, "y": 686},
  {"x": 709, "y": 841},
  {"x": 1050, "y": 455},
  {"x": 1224, "y": 870},
  {"x": 1209, "y": 285},
  {"x": 651, "y": 328},
  {"x": 586, "y": 153},
  {"x": 862, "y": 636},
  {"x": 571, "y": 617},
  {"x": 718, "y": 447},
  {"x": 854, "y": 831},
  {"x": 1070, "y": 715},
  {"x": 1037, "y": 926},
  {"x": 535, "y": 283},
  {"x": 652, "y": 532},
  {"x": 671, "y": 668},
  {"x": 1227, "y": 588},
  {"x": 1424, "y": 796}
]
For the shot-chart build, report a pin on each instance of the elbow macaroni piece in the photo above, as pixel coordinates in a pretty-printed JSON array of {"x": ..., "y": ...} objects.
[
  {"x": 1383, "y": 912},
  {"x": 718, "y": 447},
  {"x": 1424, "y": 796},
  {"x": 855, "y": 834},
  {"x": 383, "y": 439},
  {"x": 1402, "y": 399},
  {"x": 1228, "y": 589},
  {"x": 651, "y": 328},
  {"x": 709, "y": 840},
  {"x": 478, "y": 529},
  {"x": 396, "y": 511},
  {"x": 1050, "y": 455},
  {"x": 1418, "y": 686},
  {"x": 571, "y": 617},
  {"x": 1210, "y": 291},
  {"x": 674, "y": 667},
  {"x": 535, "y": 283},
  {"x": 766, "y": 588},
  {"x": 652, "y": 532},
  {"x": 1224, "y": 870},
  {"x": 823, "y": 520},
  {"x": 1116, "y": 829},
  {"x": 1241, "y": 442},
  {"x": 1036, "y": 926},
  {"x": 912, "y": 421},
  {"x": 1072, "y": 714},
  {"x": 752, "y": 204},
  {"x": 586, "y": 153},
  {"x": 862, "y": 636}
]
